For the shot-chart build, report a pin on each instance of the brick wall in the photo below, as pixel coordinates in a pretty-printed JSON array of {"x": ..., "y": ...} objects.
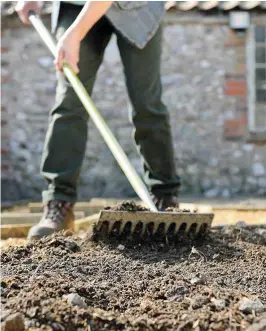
[
  {"x": 235, "y": 87},
  {"x": 204, "y": 81}
]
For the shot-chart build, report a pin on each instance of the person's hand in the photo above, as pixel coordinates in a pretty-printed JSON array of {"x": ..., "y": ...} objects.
[
  {"x": 24, "y": 7},
  {"x": 68, "y": 49}
]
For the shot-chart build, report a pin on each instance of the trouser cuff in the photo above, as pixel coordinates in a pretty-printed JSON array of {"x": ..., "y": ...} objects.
[{"x": 49, "y": 196}]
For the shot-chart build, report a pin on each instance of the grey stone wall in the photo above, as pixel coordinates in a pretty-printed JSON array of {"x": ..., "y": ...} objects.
[{"x": 194, "y": 64}]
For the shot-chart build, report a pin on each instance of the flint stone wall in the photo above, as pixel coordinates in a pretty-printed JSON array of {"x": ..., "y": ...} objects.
[{"x": 195, "y": 63}]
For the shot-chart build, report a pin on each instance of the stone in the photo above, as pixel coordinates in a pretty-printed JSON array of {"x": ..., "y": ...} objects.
[
  {"x": 4, "y": 312},
  {"x": 258, "y": 169},
  {"x": 14, "y": 322},
  {"x": 219, "y": 303},
  {"x": 247, "y": 306},
  {"x": 176, "y": 293},
  {"x": 199, "y": 301},
  {"x": 120, "y": 247},
  {"x": 251, "y": 181},
  {"x": 192, "y": 169},
  {"x": 261, "y": 232},
  {"x": 205, "y": 64},
  {"x": 226, "y": 193},
  {"x": 198, "y": 280},
  {"x": 262, "y": 182},
  {"x": 234, "y": 170},
  {"x": 213, "y": 162},
  {"x": 261, "y": 192},
  {"x": 112, "y": 55},
  {"x": 171, "y": 79},
  {"x": 29, "y": 324},
  {"x": 237, "y": 154},
  {"x": 212, "y": 193},
  {"x": 75, "y": 299},
  {"x": 241, "y": 224},
  {"x": 258, "y": 326},
  {"x": 206, "y": 183},
  {"x": 45, "y": 61},
  {"x": 72, "y": 245},
  {"x": 248, "y": 147}
]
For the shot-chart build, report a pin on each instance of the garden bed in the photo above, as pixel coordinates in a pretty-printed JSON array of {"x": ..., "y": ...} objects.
[{"x": 65, "y": 282}]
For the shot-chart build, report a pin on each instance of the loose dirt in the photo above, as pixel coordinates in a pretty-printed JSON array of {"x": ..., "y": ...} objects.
[{"x": 192, "y": 285}]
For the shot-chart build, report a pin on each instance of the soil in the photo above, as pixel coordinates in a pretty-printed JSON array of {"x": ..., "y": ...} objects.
[
  {"x": 130, "y": 206},
  {"x": 193, "y": 285}
]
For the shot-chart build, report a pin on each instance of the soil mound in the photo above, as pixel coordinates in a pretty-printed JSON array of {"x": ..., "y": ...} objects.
[{"x": 63, "y": 282}]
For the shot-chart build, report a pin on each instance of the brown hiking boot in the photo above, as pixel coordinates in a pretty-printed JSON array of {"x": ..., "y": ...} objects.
[
  {"x": 57, "y": 215},
  {"x": 163, "y": 202}
]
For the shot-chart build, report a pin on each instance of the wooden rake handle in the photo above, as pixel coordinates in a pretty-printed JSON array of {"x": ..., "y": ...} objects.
[{"x": 98, "y": 120}]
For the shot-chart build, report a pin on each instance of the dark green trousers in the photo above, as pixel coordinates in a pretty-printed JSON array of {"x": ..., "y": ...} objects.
[{"x": 67, "y": 131}]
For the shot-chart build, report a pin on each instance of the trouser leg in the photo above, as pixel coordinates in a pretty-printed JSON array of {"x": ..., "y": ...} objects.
[
  {"x": 67, "y": 130},
  {"x": 150, "y": 116}
]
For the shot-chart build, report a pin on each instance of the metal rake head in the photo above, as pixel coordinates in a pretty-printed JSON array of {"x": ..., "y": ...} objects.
[{"x": 141, "y": 223}]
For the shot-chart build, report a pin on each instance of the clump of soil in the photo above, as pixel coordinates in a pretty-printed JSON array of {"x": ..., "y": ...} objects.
[
  {"x": 127, "y": 206},
  {"x": 131, "y": 206},
  {"x": 197, "y": 285}
]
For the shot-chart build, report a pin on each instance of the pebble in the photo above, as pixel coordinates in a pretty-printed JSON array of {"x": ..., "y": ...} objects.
[
  {"x": 199, "y": 301},
  {"x": 247, "y": 306},
  {"x": 259, "y": 326},
  {"x": 121, "y": 247},
  {"x": 72, "y": 245},
  {"x": 29, "y": 324},
  {"x": 241, "y": 224},
  {"x": 261, "y": 232},
  {"x": 14, "y": 322},
  {"x": 75, "y": 300},
  {"x": 219, "y": 303},
  {"x": 176, "y": 293},
  {"x": 198, "y": 280}
]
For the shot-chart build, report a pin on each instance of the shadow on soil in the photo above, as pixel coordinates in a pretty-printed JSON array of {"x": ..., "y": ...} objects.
[{"x": 212, "y": 246}]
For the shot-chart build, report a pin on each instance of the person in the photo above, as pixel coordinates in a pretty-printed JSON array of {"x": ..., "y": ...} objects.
[{"x": 83, "y": 30}]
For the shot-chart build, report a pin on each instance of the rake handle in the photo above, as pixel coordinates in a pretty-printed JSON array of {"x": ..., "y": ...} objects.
[{"x": 98, "y": 120}]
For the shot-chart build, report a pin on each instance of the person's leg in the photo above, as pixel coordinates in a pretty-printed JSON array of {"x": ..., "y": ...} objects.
[
  {"x": 67, "y": 131},
  {"x": 150, "y": 116}
]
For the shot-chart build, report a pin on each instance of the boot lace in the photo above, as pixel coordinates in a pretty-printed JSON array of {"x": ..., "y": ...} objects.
[{"x": 57, "y": 209}]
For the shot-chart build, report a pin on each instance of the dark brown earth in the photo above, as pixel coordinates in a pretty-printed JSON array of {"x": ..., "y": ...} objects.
[{"x": 134, "y": 286}]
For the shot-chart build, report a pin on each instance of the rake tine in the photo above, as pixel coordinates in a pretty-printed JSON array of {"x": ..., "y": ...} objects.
[
  {"x": 155, "y": 228},
  {"x": 198, "y": 228},
  {"x": 140, "y": 223},
  {"x": 144, "y": 228}
]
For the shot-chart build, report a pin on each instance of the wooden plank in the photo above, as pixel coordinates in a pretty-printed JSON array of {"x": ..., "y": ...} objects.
[
  {"x": 86, "y": 223},
  {"x": 95, "y": 205},
  {"x": 232, "y": 216},
  {"x": 21, "y": 230},
  {"x": 89, "y": 208},
  {"x": 224, "y": 216},
  {"x": 239, "y": 207},
  {"x": 15, "y": 231},
  {"x": 30, "y": 218}
]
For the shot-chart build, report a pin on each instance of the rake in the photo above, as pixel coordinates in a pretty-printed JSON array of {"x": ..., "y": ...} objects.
[{"x": 126, "y": 222}]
